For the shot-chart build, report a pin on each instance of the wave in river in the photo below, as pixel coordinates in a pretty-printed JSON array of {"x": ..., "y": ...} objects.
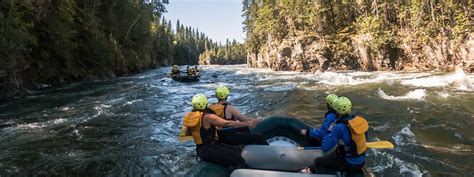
[
  {"x": 404, "y": 136},
  {"x": 459, "y": 79},
  {"x": 418, "y": 94}
]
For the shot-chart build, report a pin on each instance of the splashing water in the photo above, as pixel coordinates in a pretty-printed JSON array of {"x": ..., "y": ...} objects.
[{"x": 128, "y": 126}]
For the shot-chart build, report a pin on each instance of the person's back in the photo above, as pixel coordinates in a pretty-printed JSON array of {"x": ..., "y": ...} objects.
[
  {"x": 175, "y": 70},
  {"x": 341, "y": 131},
  {"x": 345, "y": 145},
  {"x": 200, "y": 124},
  {"x": 228, "y": 112},
  {"x": 316, "y": 134}
]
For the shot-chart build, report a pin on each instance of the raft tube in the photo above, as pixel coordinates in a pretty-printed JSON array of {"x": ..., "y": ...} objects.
[
  {"x": 181, "y": 78},
  {"x": 283, "y": 135}
]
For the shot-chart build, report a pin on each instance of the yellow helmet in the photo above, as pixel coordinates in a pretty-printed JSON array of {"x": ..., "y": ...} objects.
[
  {"x": 222, "y": 92},
  {"x": 330, "y": 99},
  {"x": 342, "y": 105},
  {"x": 199, "y": 102}
]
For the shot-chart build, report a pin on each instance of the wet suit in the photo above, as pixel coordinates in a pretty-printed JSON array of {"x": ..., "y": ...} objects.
[
  {"x": 211, "y": 150},
  {"x": 240, "y": 136},
  {"x": 342, "y": 149},
  {"x": 315, "y": 136},
  {"x": 235, "y": 136}
]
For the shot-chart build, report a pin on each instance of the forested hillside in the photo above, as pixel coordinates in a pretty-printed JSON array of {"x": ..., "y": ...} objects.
[
  {"x": 309, "y": 35},
  {"x": 230, "y": 53},
  {"x": 50, "y": 42}
]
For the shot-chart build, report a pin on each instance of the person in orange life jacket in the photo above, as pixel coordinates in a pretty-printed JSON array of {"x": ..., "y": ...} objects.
[
  {"x": 345, "y": 144},
  {"x": 314, "y": 136},
  {"x": 200, "y": 124},
  {"x": 226, "y": 111}
]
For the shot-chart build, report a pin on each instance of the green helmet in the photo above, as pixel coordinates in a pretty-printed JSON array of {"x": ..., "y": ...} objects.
[
  {"x": 199, "y": 102},
  {"x": 342, "y": 105},
  {"x": 330, "y": 99},
  {"x": 222, "y": 92}
]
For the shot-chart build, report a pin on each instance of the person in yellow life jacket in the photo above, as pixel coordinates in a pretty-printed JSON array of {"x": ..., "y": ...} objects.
[
  {"x": 175, "y": 70},
  {"x": 200, "y": 124},
  {"x": 227, "y": 111},
  {"x": 345, "y": 145}
]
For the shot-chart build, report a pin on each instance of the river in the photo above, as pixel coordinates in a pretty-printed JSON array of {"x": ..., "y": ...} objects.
[{"x": 128, "y": 126}]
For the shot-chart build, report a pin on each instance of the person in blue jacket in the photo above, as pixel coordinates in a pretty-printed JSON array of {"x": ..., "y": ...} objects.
[
  {"x": 314, "y": 136},
  {"x": 344, "y": 146}
]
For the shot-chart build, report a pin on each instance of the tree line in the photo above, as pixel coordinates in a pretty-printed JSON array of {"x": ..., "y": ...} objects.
[
  {"x": 229, "y": 53},
  {"x": 58, "y": 41}
]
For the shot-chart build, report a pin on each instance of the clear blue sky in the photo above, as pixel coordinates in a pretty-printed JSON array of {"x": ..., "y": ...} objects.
[{"x": 218, "y": 19}]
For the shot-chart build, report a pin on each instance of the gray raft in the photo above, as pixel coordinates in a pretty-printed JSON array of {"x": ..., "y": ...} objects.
[
  {"x": 282, "y": 160},
  {"x": 267, "y": 173}
]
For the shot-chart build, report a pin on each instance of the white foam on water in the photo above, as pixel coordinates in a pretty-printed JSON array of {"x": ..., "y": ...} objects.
[
  {"x": 101, "y": 109},
  {"x": 458, "y": 78},
  {"x": 443, "y": 94},
  {"x": 59, "y": 121},
  {"x": 282, "y": 87},
  {"x": 35, "y": 125},
  {"x": 410, "y": 168},
  {"x": 418, "y": 94},
  {"x": 404, "y": 136},
  {"x": 405, "y": 167},
  {"x": 133, "y": 101},
  {"x": 332, "y": 78}
]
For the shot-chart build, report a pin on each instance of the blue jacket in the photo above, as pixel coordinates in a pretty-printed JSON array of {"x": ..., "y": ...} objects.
[
  {"x": 341, "y": 132},
  {"x": 329, "y": 118}
]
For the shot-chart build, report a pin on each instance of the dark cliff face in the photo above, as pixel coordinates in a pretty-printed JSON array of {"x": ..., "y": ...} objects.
[{"x": 309, "y": 53}]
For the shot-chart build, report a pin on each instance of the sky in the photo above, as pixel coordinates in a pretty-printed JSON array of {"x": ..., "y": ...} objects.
[{"x": 218, "y": 19}]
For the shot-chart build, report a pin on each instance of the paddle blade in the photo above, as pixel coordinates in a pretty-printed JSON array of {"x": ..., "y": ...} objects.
[{"x": 380, "y": 145}]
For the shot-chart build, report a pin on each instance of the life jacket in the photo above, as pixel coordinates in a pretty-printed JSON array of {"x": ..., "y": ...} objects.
[
  {"x": 193, "y": 129},
  {"x": 358, "y": 126},
  {"x": 175, "y": 71},
  {"x": 219, "y": 109}
]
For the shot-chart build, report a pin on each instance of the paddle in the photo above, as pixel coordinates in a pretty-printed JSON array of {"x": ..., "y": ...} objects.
[
  {"x": 375, "y": 145},
  {"x": 380, "y": 145}
]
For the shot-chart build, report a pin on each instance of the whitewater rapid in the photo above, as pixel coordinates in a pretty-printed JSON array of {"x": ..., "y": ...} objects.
[{"x": 129, "y": 125}]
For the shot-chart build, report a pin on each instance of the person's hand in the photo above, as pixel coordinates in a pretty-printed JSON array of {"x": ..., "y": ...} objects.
[
  {"x": 253, "y": 123},
  {"x": 303, "y": 132}
]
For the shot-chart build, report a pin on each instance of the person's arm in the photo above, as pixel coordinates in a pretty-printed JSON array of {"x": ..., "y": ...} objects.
[
  {"x": 237, "y": 115},
  {"x": 329, "y": 143},
  {"x": 217, "y": 121},
  {"x": 323, "y": 130}
]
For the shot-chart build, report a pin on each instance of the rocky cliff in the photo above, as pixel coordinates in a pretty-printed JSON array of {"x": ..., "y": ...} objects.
[{"x": 353, "y": 52}]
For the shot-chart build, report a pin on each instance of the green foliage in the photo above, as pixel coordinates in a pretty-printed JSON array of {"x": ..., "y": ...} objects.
[
  {"x": 377, "y": 31},
  {"x": 53, "y": 42},
  {"x": 230, "y": 53},
  {"x": 385, "y": 25}
]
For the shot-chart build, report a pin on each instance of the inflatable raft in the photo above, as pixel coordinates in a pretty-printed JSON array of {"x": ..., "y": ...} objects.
[
  {"x": 181, "y": 78},
  {"x": 281, "y": 158}
]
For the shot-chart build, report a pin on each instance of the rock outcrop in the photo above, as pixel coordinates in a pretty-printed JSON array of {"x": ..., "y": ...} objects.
[{"x": 311, "y": 53}]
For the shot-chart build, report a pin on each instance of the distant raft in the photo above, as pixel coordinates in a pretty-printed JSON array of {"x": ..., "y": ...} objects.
[
  {"x": 181, "y": 78},
  {"x": 281, "y": 158}
]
